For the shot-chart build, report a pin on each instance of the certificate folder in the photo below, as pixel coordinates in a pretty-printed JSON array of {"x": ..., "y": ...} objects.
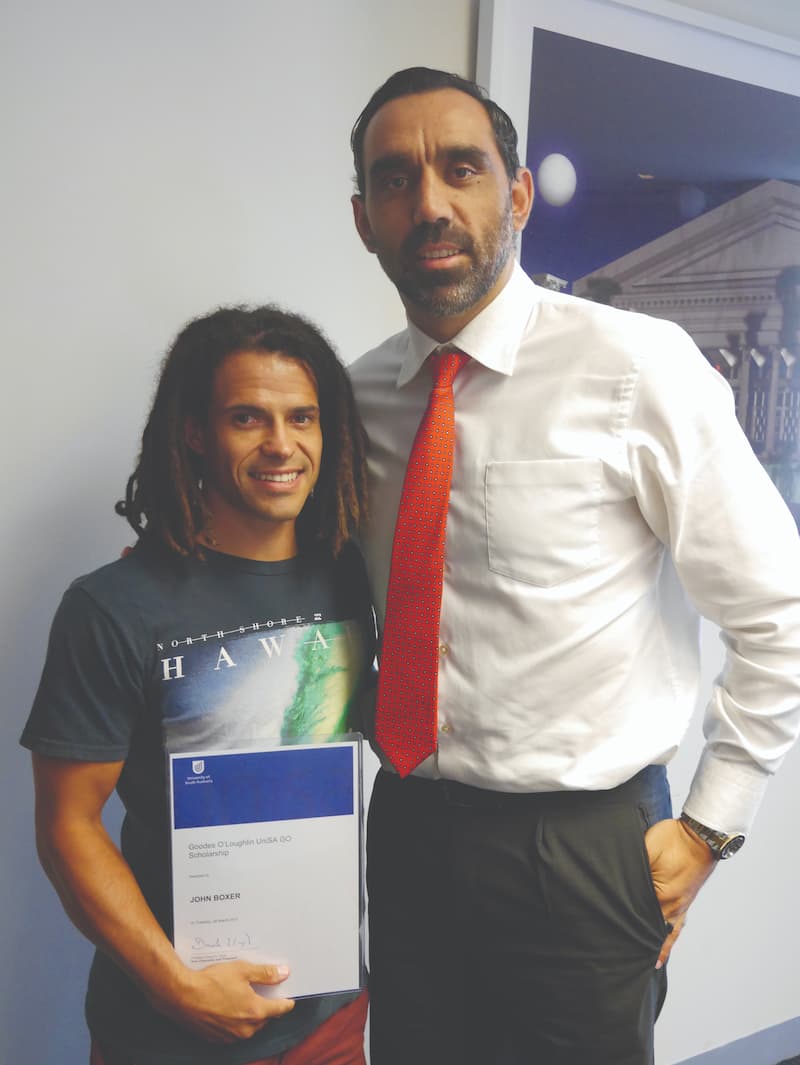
[{"x": 266, "y": 861}]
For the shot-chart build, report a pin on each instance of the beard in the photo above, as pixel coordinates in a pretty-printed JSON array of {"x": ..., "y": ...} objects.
[{"x": 455, "y": 291}]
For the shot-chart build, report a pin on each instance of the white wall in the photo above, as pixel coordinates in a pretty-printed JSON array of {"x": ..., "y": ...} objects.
[
  {"x": 734, "y": 970},
  {"x": 161, "y": 158},
  {"x": 158, "y": 158},
  {"x": 777, "y": 16}
]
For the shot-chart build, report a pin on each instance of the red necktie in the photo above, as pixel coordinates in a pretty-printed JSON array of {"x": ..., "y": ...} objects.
[{"x": 405, "y": 712}]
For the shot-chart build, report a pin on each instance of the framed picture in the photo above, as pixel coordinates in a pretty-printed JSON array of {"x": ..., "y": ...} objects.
[{"x": 665, "y": 147}]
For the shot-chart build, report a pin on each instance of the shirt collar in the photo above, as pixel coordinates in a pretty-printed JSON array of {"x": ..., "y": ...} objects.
[{"x": 492, "y": 338}]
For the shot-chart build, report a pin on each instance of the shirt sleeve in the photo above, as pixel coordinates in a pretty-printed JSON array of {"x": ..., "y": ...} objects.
[
  {"x": 736, "y": 550},
  {"x": 90, "y": 696}
]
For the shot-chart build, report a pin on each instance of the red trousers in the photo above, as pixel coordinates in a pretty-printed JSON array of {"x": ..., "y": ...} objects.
[{"x": 337, "y": 1041}]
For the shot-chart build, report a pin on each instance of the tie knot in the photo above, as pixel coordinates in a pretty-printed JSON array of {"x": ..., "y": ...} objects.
[{"x": 445, "y": 364}]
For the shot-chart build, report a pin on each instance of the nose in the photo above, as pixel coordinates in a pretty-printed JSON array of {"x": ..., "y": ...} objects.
[
  {"x": 277, "y": 442},
  {"x": 432, "y": 203}
]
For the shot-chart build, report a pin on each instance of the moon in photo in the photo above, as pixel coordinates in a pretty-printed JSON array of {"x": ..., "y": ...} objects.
[
  {"x": 556, "y": 179},
  {"x": 691, "y": 201}
]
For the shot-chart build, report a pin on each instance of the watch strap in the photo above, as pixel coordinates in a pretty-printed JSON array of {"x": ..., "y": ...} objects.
[{"x": 722, "y": 845}]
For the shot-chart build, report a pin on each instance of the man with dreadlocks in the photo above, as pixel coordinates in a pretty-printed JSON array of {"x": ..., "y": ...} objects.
[{"x": 249, "y": 485}]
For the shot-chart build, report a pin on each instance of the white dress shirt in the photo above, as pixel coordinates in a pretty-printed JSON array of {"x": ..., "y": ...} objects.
[{"x": 603, "y": 493}]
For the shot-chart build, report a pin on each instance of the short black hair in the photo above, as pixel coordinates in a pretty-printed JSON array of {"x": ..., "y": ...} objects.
[
  {"x": 164, "y": 500},
  {"x": 427, "y": 79}
]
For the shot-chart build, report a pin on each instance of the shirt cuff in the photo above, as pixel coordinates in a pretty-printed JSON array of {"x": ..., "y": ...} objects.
[{"x": 726, "y": 795}]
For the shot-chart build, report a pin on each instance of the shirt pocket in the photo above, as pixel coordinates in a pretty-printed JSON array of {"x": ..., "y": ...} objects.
[{"x": 542, "y": 518}]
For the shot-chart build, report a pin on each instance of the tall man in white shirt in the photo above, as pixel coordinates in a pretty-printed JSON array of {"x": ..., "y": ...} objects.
[{"x": 527, "y": 881}]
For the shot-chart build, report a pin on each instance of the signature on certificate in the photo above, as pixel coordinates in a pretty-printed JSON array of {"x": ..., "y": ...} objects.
[{"x": 242, "y": 940}]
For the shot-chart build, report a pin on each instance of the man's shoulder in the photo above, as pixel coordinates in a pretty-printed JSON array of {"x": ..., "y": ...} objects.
[
  {"x": 606, "y": 316},
  {"x": 349, "y": 566},
  {"x": 145, "y": 576},
  {"x": 614, "y": 332}
]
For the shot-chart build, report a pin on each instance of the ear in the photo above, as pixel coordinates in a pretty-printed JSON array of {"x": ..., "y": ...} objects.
[
  {"x": 362, "y": 222},
  {"x": 194, "y": 436},
  {"x": 521, "y": 198}
]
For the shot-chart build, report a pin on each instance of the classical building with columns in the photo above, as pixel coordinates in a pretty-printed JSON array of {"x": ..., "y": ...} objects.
[{"x": 731, "y": 278}]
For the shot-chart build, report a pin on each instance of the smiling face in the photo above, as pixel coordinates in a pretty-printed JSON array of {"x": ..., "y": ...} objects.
[
  {"x": 439, "y": 209},
  {"x": 261, "y": 449}
]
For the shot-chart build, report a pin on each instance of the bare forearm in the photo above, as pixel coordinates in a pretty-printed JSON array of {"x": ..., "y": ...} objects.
[
  {"x": 101, "y": 895},
  {"x": 102, "y": 898}
]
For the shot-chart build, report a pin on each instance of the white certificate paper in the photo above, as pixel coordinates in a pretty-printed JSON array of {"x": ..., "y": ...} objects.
[{"x": 266, "y": 862}]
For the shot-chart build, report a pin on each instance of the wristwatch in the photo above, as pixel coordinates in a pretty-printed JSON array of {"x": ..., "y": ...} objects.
[{"x": 721, "y": 844}]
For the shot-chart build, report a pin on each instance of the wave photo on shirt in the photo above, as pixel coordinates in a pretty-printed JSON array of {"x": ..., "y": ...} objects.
[{"x": 288, "y": 683}]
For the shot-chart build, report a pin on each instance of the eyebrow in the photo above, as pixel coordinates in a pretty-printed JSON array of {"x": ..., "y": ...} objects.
[
  {"x": 469, "y": 153},
  {"x": 388, "y": 163},
  {"x": 254, "y": 408}
]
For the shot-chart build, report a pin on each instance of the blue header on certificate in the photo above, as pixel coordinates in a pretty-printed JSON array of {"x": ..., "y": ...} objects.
[{"x": 283, "y": 784}]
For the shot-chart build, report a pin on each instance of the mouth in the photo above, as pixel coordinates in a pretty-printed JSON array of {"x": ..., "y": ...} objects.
[
  {"x": 275, "y": 478},
  {"x": 438, "y": 252},
  {"x": 437, "y": 256},
  {"x": 437, "y": 243}
]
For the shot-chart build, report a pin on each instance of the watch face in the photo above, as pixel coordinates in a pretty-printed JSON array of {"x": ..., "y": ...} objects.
[{"x": 731, "y": 847}]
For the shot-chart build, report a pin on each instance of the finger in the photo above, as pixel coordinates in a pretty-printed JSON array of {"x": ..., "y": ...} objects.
[
  {"x": 266, "y": 974},
  {"x": 268, "y": 1010},
  {"x": 263, "y": 1010},
  {"x": 223, "y": 1037},
  {"x": 674, "y": 930},
  {"x": 276, "y": 1007}
]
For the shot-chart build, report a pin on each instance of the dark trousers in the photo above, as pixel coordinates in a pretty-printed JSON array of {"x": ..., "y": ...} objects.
[{"x": 513, "y": 929}]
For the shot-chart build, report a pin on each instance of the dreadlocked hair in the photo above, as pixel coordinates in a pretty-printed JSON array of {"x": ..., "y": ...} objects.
[{"x": 164, "y": 498}]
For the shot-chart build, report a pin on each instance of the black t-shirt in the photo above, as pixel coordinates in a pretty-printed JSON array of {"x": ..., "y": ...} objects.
[{"x": 154, "y": 653}]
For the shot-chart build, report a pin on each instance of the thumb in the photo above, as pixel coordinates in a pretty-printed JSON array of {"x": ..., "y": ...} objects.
[{"x": 265, "y": 974}]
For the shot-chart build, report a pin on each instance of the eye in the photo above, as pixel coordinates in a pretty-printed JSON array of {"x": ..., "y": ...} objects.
[
  {"x": 462, "y": 172},
  {"x": 303, "y": 417},
  {"x": 394, "y": 182},
  {"x": 243, "y": 418}
]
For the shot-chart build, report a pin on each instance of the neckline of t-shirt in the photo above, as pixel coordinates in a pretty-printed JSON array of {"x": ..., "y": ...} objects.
[{"x": 235, "y": 563}]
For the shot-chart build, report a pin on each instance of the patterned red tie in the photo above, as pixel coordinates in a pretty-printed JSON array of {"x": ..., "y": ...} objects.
[{"x": 405, "y": 712}]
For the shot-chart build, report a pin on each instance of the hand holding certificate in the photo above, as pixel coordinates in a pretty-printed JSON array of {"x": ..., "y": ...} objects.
[{"x": 266, "y": 862}]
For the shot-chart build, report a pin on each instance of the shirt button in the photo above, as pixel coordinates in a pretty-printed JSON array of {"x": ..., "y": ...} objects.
[
  {"x": 444, "y": 728},
  {"x": 443, "y": 649}
]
